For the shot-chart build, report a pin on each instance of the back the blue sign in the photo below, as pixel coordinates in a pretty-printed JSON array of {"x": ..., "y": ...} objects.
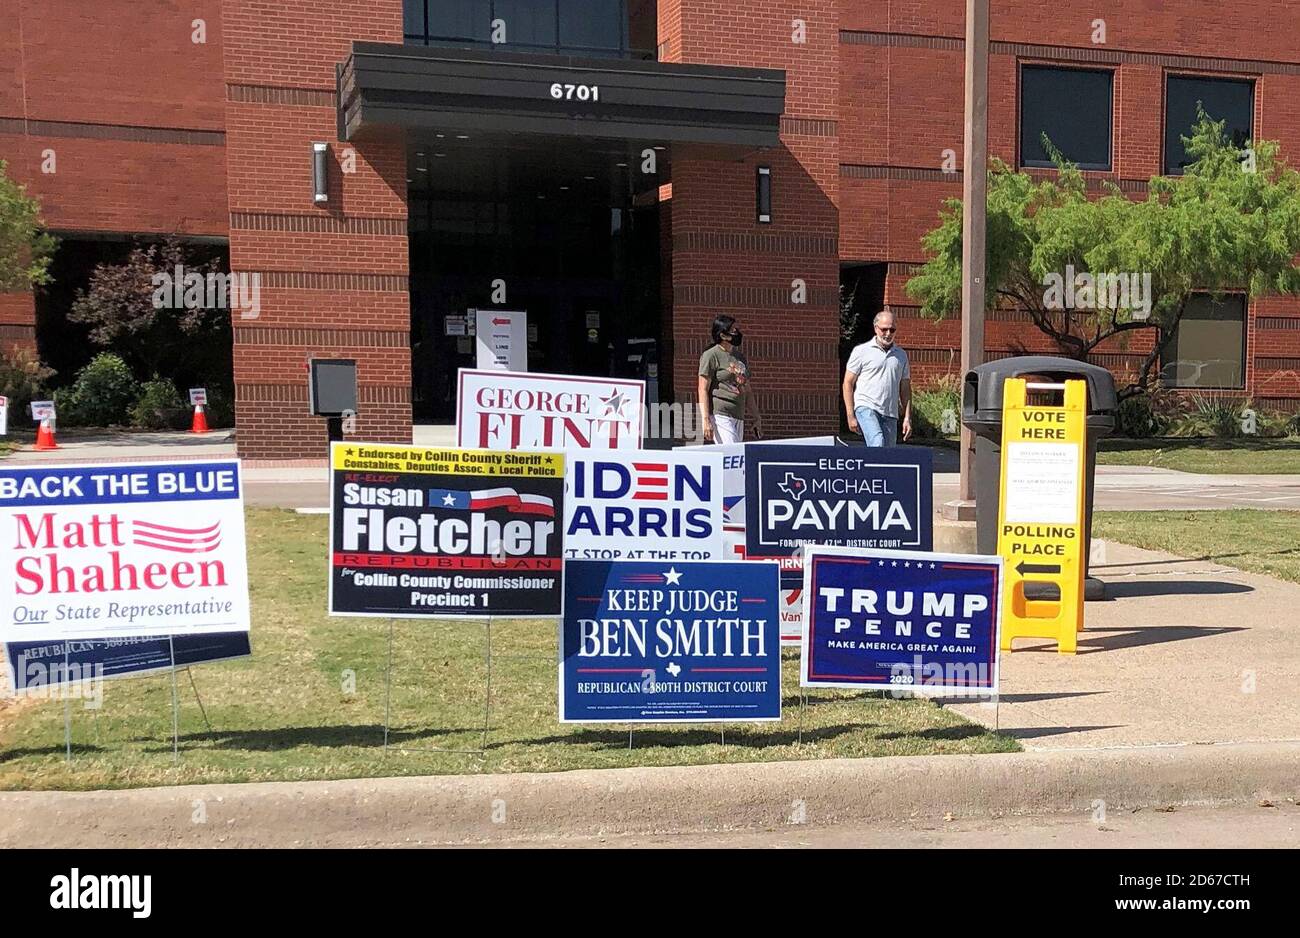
[{"x": 661, "y": 642}]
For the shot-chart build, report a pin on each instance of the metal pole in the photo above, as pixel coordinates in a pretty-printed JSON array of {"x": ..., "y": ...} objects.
[
  {"x": 67, "y": 727},
  {"x": 974, "y": 208},
  {"x": 487, "y": 696},
  {"x": 388, "y": 685},
  {"x": 202, "y": 709},
  {"x": 176, "y": 707}
]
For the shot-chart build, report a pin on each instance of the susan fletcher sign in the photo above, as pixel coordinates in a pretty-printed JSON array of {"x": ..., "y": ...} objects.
[
  {"x": 909, "y": 620},
  {"x": 101, "y": 552},
  {"x": 670, "y": 642},
  {"x": 655, "y": 505},
  {"x": 522, "y": 410},
  {"x": 418, "y": 532},
  {"x": 851, "y": 496}
]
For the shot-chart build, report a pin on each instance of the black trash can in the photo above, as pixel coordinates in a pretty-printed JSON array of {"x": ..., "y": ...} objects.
[{"x": 981, "y": 411}]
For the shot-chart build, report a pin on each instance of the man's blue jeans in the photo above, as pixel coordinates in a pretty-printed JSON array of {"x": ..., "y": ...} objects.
[{"x": 877, "y": 429}]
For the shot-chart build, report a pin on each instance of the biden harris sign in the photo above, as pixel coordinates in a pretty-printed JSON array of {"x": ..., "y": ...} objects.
[
  {"x": 844, "y": 496},
  {"x": 921, "y": 622},
  {"x": 657, "y": 505},
  {"x": 105, "y": 551},
  {"x": 418, "y": 532},
  {"x": 679, "y": 642}
]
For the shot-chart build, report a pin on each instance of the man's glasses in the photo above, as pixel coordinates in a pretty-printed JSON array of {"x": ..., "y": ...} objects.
[{"x": 886, "y": 328}]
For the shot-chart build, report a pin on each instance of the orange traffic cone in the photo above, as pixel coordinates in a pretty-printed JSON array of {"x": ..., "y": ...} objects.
[
  {"x": 45, "y": 435},
  {"x": 200, "y": 424}
]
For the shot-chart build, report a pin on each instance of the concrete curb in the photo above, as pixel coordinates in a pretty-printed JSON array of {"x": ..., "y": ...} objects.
[{"x": 752, "y": 796}]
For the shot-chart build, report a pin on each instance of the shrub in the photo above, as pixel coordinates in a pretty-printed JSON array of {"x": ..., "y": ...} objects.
[
  {"x": 220, "y": 409},
  {"x": 23, "y": 379},
  {"x": 1210, "y": 416},
  {"x": 101, "y": 396},
  {"x": 940, "y": 398},
  {"x": 159, "y": 406}
]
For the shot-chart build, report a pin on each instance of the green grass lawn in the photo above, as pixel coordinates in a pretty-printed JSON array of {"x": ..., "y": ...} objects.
[
  {"x": 1260, "y": 541},
  {"x": 284, "y": 714},
  {"x": 1228, "y": 457}
]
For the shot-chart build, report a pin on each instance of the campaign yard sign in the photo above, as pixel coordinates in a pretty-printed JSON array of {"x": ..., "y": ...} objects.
[
  {"x": 669, "y": 642},
  {"x": 659, "y": 505},
  {"x": 108, "y": 551},
  {"x": 34, "y": 665},
  {"x": 521, "y": 410},
  {"x": 418, "y": 532},
  {"x": 918, "y": 621},
  {"x": 852, "y": 496}
]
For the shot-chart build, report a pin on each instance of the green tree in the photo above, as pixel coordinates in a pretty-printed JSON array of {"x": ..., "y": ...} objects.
[
  {"x": 1231, "y": 223},
  {"x": 25, "y": 246}
]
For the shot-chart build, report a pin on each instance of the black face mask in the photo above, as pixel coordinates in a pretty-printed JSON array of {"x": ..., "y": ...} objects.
[{"x": 736, "y": 337}]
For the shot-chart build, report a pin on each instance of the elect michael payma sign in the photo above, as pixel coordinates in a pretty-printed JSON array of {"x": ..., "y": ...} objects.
[
  {"x": 520, "y": 410},
  {"x": 107, "y": 551},
  {"x": 445, "y": 532},
  {"x": 672, "y": 642},
  {"x": 664, "y": 505},
  {"x": 846, "y": 496}
]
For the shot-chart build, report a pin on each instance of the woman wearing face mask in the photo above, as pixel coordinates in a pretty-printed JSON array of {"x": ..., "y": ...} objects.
[{"x": 724, "y": 386}]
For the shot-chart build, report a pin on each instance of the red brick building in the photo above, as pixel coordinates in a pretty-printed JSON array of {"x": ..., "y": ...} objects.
[{"x": 454, "y": 172}]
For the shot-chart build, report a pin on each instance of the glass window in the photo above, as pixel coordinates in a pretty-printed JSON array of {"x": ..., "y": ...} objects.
[
  {"x": 1208, "y": 348},
  {"x": 527, "y": 22},
  {"x": 591, "y": 24},
  {"x": 1073, "y": 108},
  {"x": 413, "y": 19},
  {"x": 1223, "y": 99},
  {"x": 460, "y": 19}
]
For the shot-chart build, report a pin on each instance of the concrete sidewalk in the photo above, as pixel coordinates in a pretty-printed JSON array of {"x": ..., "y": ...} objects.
[
  {"x": 1181, "y": 651},
  {"x": 462, "y": 809}
]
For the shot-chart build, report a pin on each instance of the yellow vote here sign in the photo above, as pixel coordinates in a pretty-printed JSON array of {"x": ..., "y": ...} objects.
[{"x": 1040, "y": 514}]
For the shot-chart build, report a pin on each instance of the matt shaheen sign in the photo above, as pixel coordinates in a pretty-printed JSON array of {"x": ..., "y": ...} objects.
[
  {"x": 105, "y": 551},
  {"x": 418, "y": 532}
]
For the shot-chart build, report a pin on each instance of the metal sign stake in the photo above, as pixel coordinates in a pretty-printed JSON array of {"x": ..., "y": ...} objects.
[
  {"x": 176, "y": 709},
  {"x": 202, "y": 709}
]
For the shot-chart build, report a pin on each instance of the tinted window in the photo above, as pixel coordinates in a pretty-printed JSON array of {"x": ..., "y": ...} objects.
[
  {"x": 1208, "y": 349},
  {"x": 591, "y": 24},
  {"x": 527, "y": 22},
  {"x": 1072, "y": 107},
  {"x": 1230, "y": 101}
]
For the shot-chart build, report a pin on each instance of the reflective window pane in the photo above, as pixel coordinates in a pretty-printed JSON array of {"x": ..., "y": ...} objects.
[
  {"x": 1073, "y": 108},
  {"x": 1230, "y": 101}
]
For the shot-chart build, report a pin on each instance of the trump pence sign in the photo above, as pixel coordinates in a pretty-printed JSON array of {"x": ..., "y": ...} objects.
[
  {"x": 101, "y": 552},
  {"x": 521, "y": 410},
  {"x": 916, "y": 621},
  {"x": 680, "y": 642},
  {"x": 418, "y": 532},
  {"x": 658, "y": 505}
]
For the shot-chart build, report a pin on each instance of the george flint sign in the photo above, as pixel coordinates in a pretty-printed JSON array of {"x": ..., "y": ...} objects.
[
  {"x": 680, "y": 642},
  {"x": 513, "y": 410},
  {"x": 848, "y": 496},
  {"x": 660, "y": 505},
  {"x": 916, "y": 621}
]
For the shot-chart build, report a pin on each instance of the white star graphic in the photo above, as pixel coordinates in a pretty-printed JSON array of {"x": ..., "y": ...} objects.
[
  {"x": 672, "y": 577},
  {"x": 894, "y": 563},
  {"x": 449, "y": 499}
]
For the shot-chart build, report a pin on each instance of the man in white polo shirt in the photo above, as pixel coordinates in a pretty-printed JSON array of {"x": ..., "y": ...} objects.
[{"x": 878, "y": 386}]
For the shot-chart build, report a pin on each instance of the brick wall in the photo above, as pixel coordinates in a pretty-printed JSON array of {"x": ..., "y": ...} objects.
[
  {"x": 334, "y": 277},
  {"x": 901, "y": 91},
  {"x": 780, "y": 280},
  {"x": 111, "y": 115}
]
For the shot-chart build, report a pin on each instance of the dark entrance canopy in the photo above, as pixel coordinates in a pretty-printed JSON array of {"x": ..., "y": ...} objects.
[{"x": 383, "y": 85}]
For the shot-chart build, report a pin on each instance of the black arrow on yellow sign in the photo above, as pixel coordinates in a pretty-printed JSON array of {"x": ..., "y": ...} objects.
[{"x": 1022, "y": 568}]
